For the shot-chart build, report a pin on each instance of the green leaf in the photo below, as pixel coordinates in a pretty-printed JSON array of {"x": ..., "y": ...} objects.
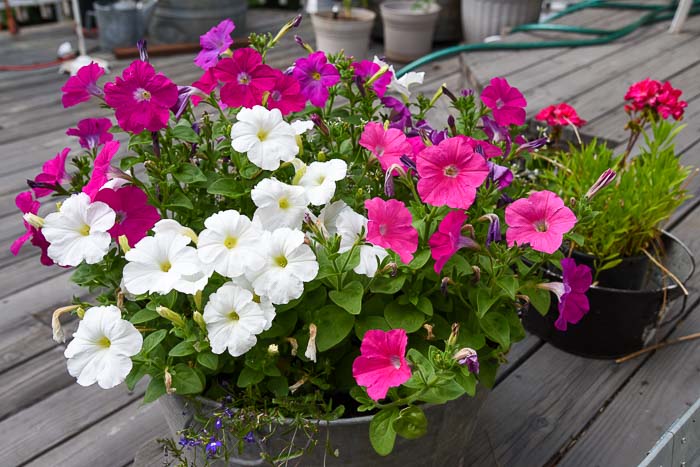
[
  {"x": 186, "y": 380},
  {"x": 387, "y": 285},
  {"x": 188, "y": 173},
  {"x": 249, "y": 377},
  {"x": 128, "y": 162},
  {"x": 179, "y": 199},
  {"x": 155, "y": 389},
  {"x": 350, "y": 298},
  {"x": 425, "y": 306},
  {"x": 448, "y": 390},
  {"x": 539, "y": 298},
  {"x": 143, "y": 315},
  {"x": 509, "y": 284},
  {"x": 419, "y": 260},
  {"x": 403, "y": 316},
  {"x": 182, "y": 349},
  {"x": 411, "y": 423},
  {"x": 577, "y": 238},
  {"x": 226, "y": 186},
  {"x": 484, "y": 301},
  {"x": 496, "y": 328},
  {"x": 208, "y": 360},
  {"x": 364, "y": 323},
  {"x": 333, "y": 324},
  {"x": 278, "y": 386},
  {"x": 282, "y": 325},
  {"x": 152, "y": 340},
  {"x": 467, "y": 380},
  {"x": 137, "y": 372},
  {"x": 185, "y": 133},
  {"x": 381, "y": 430}
]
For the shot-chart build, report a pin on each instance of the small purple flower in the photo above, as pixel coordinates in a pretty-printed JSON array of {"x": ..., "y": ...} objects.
[
  {"x": 142, "y": 46},
  {"x": 218, "y": 423},
  {"x": 249, "y": 438},
  {"x": 494, "y": 233},
  {"x": 500, "y": 175},
  {"x": 604, "y": 180},
  {"x": 366, "y": 69},
  {"x": 468, "y": 357},
  {"x": 423, "y": 128},
  {"x": 400, "y": 116},
  {"x": 528, "y": 146},
  {"x": 215, "y": 42},
  {"x": 573, "y": 302},
  {"x": 184, "y": 441},
  {"x": 228, "y": 413},
  {"x": 93, "y": 132},
  {"x": 315, "y": 75},
  {"x": 297, "y": 21},
  {"x": 212, "y": 447},
  {"x": 467, "y": 92}
]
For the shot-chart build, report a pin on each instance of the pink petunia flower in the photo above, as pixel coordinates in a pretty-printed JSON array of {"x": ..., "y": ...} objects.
[
  {"x": 571, "y": 293},
  {"x": 450, "y": 173},
  {"x": 315, "y": 75},
  {"x": 387, "y": 145},
  {"x": 206, "y": 83},
  {"x": 92, "y": 132},
  {"x": 540, "y": 220},
  {"x": 135, "y": 217},
  {"x": 382, "y": 362},
  {"x": 215, "y": 42},
  {"x": 285, "y": 94},
  {"x": 83, "y": 85},
  {"x": 365, "y": 69},
  {"x": 484, "y": 148},
  {"x": 101, "y": 167},
  {"x": 390, "y": 226},
  {"x": 27, "y": 205},
  {"x": 245, "y": 78},
  {"x": 141, "y": 98},
  {"x": 53, "y": 172},
  {"x": 507, "y": 103},
  {"x": 561, "y": 114},
  {"x": 448, "y": 239}
]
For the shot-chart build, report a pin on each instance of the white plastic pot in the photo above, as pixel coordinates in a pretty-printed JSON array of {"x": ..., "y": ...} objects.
[
  {"x": 408, "y": 31},
  {"x": 484, "y": 18},
  {"x": 343, "y": 33}
]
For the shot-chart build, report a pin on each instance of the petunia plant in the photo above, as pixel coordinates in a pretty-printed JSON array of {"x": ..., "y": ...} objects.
[{"x": 297, "y": 244}]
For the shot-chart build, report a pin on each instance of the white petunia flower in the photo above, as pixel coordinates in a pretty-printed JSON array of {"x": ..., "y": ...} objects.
[
  {"x": 265, "y": 304},
  {"x": 78, "y": 231},
  {"x": 319, "y": 180},
  {"x": 402, "y": 85},
  {"x": 171, "y": 225},
  {"x": 230, "y": 243},
  {"x": 302, "y": 126},
  {"x": 163, "y": 263},
  {"x": 233, "y": 320},
  {"x": 288, "y": 264},
  {"x": 350, "y": 225},
  {"x": 102, "y": 347},
  {"x": 279, "y": 204},
  {"x": 328, "y": 217},
  {"x": 264, "y": 136}
]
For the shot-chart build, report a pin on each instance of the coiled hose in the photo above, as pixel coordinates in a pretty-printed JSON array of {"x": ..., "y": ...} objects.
[{"x": 655, "y": 13}]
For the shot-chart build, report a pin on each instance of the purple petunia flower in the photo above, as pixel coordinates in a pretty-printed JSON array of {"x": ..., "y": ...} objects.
[
  {"x": 215, "y": 42},
  {"x": 364, "y": 70},
  {"x": 573, "y": 302},
  {"x": 315, "y": 75},
  {"x": 497, "y": 133},
  {"x": 468, "y": 357},
  {"x": 93, "y": 132},
  {"x": 494, "y": 233},
  {"x": 500, "y": 174},
  {"x": 80, "y": 87},
  {"x": 400, "y": 116}
]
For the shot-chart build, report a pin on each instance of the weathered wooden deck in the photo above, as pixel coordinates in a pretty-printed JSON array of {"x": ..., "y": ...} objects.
[{"x": 548, "y": 408}]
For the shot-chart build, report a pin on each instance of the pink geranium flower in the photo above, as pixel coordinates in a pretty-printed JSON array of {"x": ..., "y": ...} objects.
[
  {"x": 561, "y": 114},
  {"x": 571, "y": 293},
  {"x": 669, "y": 103},
  {"x": 101, "y": 167},
  {"x": 141, "y": 98},
  {"x": 387, "y": 145},
  {"x": 390, "y": 226},
  {"x": 643, "y": 94},
  {"x": 450, "y": 173},
  {"x": 53, "y": 173},
  {"x": 448, "y": 239},
  {"x": 365, "y": 69},
  {"x": 92, "y": 132},
  {"x": 382, "y": 362},
  {"x": 27, "y": 205},
  {"x": 245, "y": 78},
  {"x": 506, "y": 102},
  {"x": 135, "y": 217},
  {"x": 660, "y": 98},
  {"x": 215, "y": 42},
  {"x": 315, "y": 75},
  {"x": 83, "y": 85},
  {"x": 285, "y": 94},
  {"x": 540, "y": 220}
]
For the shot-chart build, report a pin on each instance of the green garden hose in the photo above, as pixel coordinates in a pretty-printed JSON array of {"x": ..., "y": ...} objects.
[{"x": 655, "y": 13}]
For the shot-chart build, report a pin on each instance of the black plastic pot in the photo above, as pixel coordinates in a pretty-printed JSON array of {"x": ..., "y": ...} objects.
[{"x": 620, "y": 321}]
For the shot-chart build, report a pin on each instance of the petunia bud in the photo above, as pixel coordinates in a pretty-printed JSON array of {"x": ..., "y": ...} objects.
[
  {"x": 34, "y": 220},
  {"x": 408, "y": 162},
  {"x": 198, "y": 300},
  {"x": 199, "y": 319},
  {"x": 311, "y": 347},
  {"x": 141, "y": 44},
  {"x": 604, "y": 180},
  {"x": 58, "y": 334},
  {"x": 320, "y": 124},
  {"x": 468, "y": 357},
  {"x": 171, "y": 316},
  {"x": 451, "y": 124},
  {"x": 494, "y": 233},
  {"x": 383, "y": 69},
  {"x": 437, "y": 95},
  {"x": 444, "y": 283},
  {"x": 303, "y": 44},
  {"x": 452, "y": 339},
  {"x": 123, "y": 243},
  {"x": 448, "y": 93},
  {"x": 477, "y": 273},
  {"x": 467, "y": 92}
]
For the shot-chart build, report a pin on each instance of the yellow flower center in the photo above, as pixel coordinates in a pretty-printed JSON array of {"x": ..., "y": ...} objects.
[
  {"x": 84, "y": 230},
  {"x": 316, "y": 75},
  {"x": 320, "y": 180},
  {"x": 262, "y": 135},
  {"x": 165, "y": 267},
  {"x": 541, "y": 226},
  {"x": 281, "y": 261},
  {"x": 233, "y": 316},
  {"x": 104, "y": 342},
  {"x": 283, "y": 203},
  {"x": 230, "y": 242},
  {"x": 451, "y": 171}
]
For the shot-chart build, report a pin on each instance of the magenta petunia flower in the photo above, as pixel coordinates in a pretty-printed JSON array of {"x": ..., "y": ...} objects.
[
  {"x": 92, "y": 132},
  {"x": 561, "y": 114},
  {"x": 141, "y": 98},
  {"x": 27, "y": 205},
  {"x": 382, "y": 362},
  {"x": 387, "y": 145},
  {"x": 215, "y": 42},
  {"x": 448, "y": 239},
  {"x": 53, "y": 172},
  {"x": 540, "y": 220},
  {"x": 83, "y": 85},
  {"x": 206, "y": 83},
  {"x": 390, "y": 226},
  {"x": 400, "y": 116},
  {"x": 571, "y": 293},
  {"x": 135, "y": 217},
  {"x": 101, "y": 167},
  {"x": 450, "y": 173},
  {"x": 507, "y": 103},
  {"x": 484, "y": 148},
  {"x": 285, "y": 94},
  {"x": 245, "y": 78},
  {"x": 365, "y": 69},
  {"x": 315, "y": 75}
]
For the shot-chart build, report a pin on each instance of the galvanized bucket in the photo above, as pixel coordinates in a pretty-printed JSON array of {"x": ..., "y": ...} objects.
[
  {"x": 183, "y": 21},
  {"x": 122, "y": 24}
]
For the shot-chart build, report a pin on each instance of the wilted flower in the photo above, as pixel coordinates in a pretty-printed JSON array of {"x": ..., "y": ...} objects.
[
  {"x": 604, "y": 180},
  {"x": 469, "y": 358}
]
